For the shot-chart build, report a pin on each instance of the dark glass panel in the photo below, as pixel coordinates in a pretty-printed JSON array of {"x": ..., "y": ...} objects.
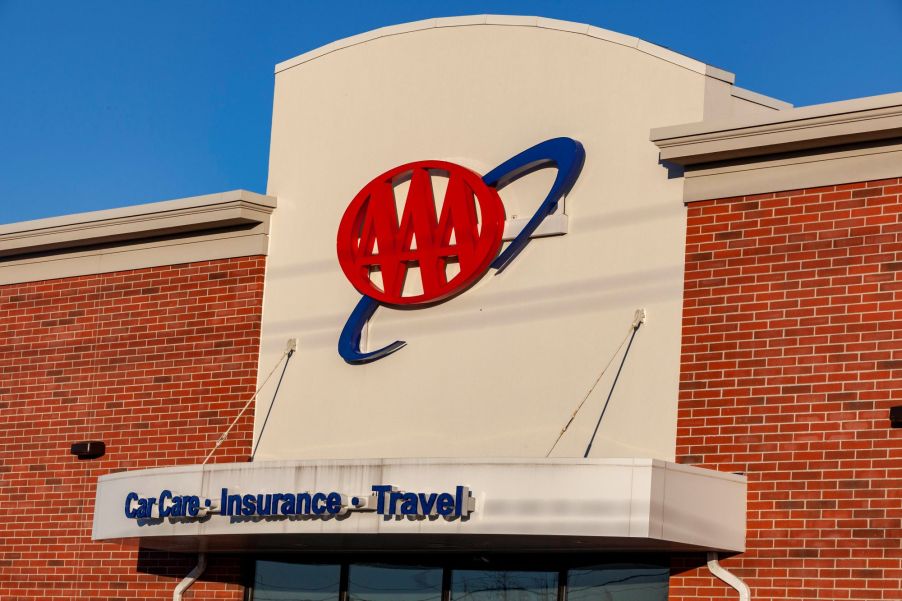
[
  {"x": 277, "y": 581},
  {"x": 503, "y": 585},
  {"x": 618, "y": 583},
  {"x": 385, "y": 583}
]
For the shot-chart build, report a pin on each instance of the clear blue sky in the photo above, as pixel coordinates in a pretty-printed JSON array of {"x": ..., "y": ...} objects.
[{"x": 110, "y": 103}]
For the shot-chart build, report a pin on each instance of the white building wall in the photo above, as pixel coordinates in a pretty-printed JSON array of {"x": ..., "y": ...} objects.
[{"x": 498, "y": 370}]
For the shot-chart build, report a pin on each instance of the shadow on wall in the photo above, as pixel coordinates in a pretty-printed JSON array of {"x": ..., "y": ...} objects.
[
  {"x": 587, "y": 224},
  {"x": 226, "y": 569},
  {"x": 693, "y": 567},
  {"x": 674, "y": 171},
  {"x": 538, "y": 303}
]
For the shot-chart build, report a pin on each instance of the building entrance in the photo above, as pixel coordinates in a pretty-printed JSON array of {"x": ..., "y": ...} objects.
[{"x": 476, "y": 578}]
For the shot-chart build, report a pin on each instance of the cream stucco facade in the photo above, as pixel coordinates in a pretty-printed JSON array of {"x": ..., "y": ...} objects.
[{"x": 496, "y": 371}]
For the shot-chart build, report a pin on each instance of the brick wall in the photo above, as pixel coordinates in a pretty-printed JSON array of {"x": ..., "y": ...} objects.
[
  {"x": 791, "y": 359},
  {"x": 156, "y": 363}
]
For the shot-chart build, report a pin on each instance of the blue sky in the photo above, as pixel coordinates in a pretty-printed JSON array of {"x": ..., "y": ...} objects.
[{"x": 111, "y": 103}]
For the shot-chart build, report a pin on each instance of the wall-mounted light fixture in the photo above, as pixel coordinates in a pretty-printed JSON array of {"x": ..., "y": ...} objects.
[
  {"x": 90, "y": 449},
  {"x": 895, "y": 416}
]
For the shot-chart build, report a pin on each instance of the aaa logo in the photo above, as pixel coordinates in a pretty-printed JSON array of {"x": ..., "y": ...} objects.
[
  {"x": 449, "y": 251},
  {"x": 436, "y": 248}
]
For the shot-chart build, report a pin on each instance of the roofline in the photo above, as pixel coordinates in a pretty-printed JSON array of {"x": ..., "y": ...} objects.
[
  {"x": 514, "y": 21},
  {"x": 868, "y": 119},
  {"x": 756, "y": 98},
  {"x": 137, "y": 222}
]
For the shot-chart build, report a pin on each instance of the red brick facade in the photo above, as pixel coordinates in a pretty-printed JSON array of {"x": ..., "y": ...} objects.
[
  {"x": 156, "y": 363},
  {"x": 791, "y": 359}
]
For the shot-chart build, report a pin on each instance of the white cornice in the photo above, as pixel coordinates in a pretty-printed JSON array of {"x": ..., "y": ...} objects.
[
  {"x": 869, "y": 119},
  {"x": 198, "y": 214}
]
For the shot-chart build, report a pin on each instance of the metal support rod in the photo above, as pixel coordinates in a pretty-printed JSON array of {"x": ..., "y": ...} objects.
[
  {"x": 272, "y": 402},
  {"x": 636, "y": 325}
]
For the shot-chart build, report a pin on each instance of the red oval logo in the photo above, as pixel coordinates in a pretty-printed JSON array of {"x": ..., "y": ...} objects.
[{"x": 446, "y": 250}]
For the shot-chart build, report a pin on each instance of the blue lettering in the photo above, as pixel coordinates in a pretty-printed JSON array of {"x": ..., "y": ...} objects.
[
  {"x": 409, "y": 503},
  {"x": 427, "y": 502},
  {"x": 380, "y": 497},
  {"x": 178, "y": 507},
  {"x": 463, "y": 501},
  {"x": 303, "y": 503},
  {"x": 249, "y": 505},
  {"x": 145, "y": 508},
  {"x": 129, "y": 499},
  {"x": 444, "y": 505},
  {"x": 319, "y": 503},
  {"x": 389, "y": 501},
  {"x": 335, "y": 503},
  {"x": 393, "y": 499},
  {"x": 261, "y": 508},
  {"x": 234, "y": 505},
  {"x": 193, "y": 506},
  {"x": 288, "y": 505},
  {"x": 165, "y": 509}
]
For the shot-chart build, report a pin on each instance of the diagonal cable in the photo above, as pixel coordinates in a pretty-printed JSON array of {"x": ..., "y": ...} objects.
[
  {"x": 225, "y": 434},
  {"x": 271, "y": 403},
  {"x": 591, "y": 389},
  {"x": 636, "y": 325}
]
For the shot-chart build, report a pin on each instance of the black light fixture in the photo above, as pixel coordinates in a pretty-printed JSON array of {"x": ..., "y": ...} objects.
[
  {"x": 895, "y": 416},
  {"x": 90, "y": 449}
]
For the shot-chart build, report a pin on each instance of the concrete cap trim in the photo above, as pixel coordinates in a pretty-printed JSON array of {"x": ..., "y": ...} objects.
[
  {"x": 514, "y": 21},
  {"x": 137, "y": 222},
  {"x": 768, "y": 101},
  {"x": 795, "y": 171},
  {"x": 500, "y": 461},
  {"x": 836, "y": 123}
]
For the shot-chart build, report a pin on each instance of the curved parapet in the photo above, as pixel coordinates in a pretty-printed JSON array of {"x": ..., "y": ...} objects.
[{"x": 514, "y": 21}]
